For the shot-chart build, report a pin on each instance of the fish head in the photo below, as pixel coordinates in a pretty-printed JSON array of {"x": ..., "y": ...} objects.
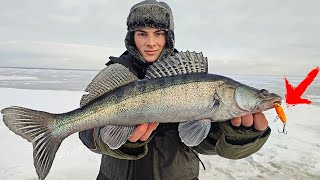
[{"x": 254, "y": 100}]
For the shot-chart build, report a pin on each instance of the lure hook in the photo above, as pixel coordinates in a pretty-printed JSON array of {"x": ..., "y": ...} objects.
[{"x": 284, "y": 131}]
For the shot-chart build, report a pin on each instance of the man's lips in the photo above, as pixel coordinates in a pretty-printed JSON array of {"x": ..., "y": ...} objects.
[{"x": 151, "y": 52}]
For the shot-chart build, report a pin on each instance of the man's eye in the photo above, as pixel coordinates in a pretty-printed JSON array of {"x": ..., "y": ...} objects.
[
  {"x": 142, "y": 34},
  {"x": 160, "y": 34}
]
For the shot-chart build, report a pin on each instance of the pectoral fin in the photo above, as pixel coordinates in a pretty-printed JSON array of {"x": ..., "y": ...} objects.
[
  {"x": 193, "y": 132},
  {"x": 116, "y": 136}
]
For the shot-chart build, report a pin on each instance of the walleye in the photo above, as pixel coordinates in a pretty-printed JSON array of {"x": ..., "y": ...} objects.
[{"x": 176, "y": 89}]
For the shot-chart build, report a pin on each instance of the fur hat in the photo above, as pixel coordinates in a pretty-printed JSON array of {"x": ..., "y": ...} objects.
[{"x": 154, "y": 14}]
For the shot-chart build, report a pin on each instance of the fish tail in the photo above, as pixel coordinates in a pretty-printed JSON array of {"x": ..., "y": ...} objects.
[{"x": 35, "y": 127}]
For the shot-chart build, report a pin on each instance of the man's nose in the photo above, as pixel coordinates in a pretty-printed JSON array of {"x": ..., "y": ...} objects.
[{"x": 151, "y": 41}]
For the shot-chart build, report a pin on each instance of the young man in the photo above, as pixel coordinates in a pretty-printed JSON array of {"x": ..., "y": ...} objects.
[{"x": 155, "y": 151}]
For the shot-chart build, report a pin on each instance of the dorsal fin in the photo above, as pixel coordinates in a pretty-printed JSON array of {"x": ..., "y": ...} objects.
[
  {"x": 179, "y": 64},
  {"x": 110, "y": 78}
]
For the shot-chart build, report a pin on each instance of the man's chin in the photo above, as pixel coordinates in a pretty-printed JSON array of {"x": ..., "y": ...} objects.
[{"x": 150, "y": 58}]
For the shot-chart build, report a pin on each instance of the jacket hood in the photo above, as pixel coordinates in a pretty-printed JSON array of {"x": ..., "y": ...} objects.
[{"x": 154, "y": 14}]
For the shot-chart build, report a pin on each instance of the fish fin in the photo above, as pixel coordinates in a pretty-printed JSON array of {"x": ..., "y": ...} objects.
[
  {"x": 214, "y": 107},
  {"x": 192, "y": 133},
  {"x": 108, "y": 79},
  {"x": 116, "y": 136},
  {"x": 35, "y": 127},
  {"x": 178, "y": 64}
]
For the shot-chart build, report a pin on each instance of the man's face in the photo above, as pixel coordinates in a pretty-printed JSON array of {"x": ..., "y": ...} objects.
[{"x": 150, "y": 42}]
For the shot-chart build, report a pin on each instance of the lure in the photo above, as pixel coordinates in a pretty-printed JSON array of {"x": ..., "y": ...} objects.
[{"x": 281, "y": 116}]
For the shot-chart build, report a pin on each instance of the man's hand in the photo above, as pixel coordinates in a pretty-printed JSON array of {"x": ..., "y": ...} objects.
[
  {"x": 258, "y": 121},
  {"x": 142, "y": 132}
]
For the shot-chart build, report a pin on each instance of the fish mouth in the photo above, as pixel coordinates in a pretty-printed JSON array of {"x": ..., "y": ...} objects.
[{"x": 267, "y": 104}]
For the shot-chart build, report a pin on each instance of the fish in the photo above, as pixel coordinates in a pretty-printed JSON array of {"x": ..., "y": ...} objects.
[{"x": 177, "y": 89}]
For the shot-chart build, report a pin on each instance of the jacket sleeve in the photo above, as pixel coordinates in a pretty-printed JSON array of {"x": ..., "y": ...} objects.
[{"x": 232, "y": 142}]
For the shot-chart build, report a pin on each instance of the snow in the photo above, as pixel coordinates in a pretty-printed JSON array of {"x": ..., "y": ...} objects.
[{"x": 292, "y": 156}]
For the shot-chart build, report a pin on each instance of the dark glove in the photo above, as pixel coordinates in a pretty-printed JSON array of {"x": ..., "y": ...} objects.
[{"x": 239, "y": 142}]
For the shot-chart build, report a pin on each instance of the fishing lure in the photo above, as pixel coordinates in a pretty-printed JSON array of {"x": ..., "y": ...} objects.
[{"x": 281, "y": 116}]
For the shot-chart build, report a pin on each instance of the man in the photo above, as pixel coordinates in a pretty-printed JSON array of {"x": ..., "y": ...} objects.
[{"x": 155, "y": 151}]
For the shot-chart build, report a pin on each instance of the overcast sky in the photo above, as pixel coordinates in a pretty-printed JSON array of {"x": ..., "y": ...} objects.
[{"x": 247, "y": 37}]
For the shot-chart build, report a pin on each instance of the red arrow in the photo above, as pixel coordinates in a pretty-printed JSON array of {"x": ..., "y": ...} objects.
[{"x": 293, "y": 95}]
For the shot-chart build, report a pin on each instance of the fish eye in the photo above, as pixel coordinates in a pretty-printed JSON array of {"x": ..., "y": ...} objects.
[{"x": 263, "y": 93}]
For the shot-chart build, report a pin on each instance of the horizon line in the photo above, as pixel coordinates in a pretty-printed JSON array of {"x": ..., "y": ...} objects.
[{"x": 21, "y": 67}]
